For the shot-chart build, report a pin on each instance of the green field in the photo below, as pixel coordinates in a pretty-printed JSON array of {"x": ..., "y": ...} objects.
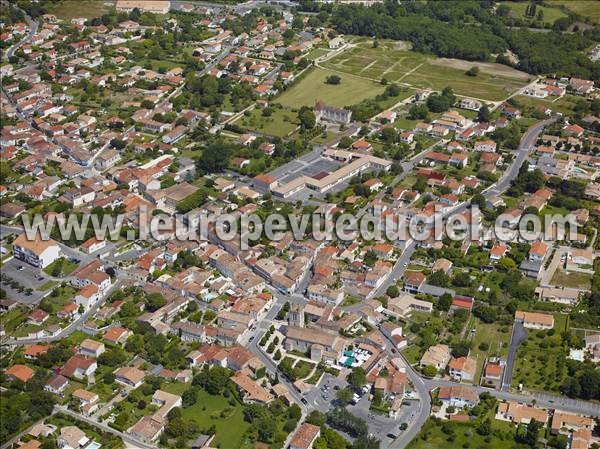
[
  {"x": 385, "y": 60},
  {"x": 70, "y": 9},
  {"x": 584, "y": 8},
  {"x": 484, "y": 86},
  {"x": 497, "y": 338},
  {"x": 390, "y": 60},
  {"x": 216, "y": 410},
  {"x": 463, "y": 435},
  {"x": 571, "y": 279},
  {"x": 550, "y": 14},
  {"x": 279, "y": 124},
  {"x": 312, "y": 87}
]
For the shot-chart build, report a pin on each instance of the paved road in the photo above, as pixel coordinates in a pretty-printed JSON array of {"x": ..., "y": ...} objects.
[
  {"x": 33, "y": 26},
  {"x": 519, "y": 335}
]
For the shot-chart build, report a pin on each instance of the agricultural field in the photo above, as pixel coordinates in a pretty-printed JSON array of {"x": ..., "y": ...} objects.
[
  {"x": 70, "y": 9},
  {"x": 397, "y": 64},
  {"x": 312, "y": 87}
]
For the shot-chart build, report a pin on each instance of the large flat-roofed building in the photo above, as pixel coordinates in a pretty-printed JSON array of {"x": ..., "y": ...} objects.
[
  {"x": 358, "y": 164},
  {"x": 154, "y": 6},
  {"x": 37, "y": 252}
]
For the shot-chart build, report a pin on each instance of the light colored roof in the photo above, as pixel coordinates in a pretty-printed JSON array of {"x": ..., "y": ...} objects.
[
  {"x": 36, "y": 246},
  {"x": 130, "y": 373},
  {"x": 535, "y": 318}
]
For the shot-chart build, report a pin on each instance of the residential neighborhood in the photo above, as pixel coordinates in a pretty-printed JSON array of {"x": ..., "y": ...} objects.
[{"x": 202, "y": 208}]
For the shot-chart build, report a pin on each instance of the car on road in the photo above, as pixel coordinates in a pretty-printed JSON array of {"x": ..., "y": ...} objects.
[
  {"x": 403, "y": 427},
  {"x": 20, "y": 268},
  {"x": 392, "y": 436},
  {"x": 393, "y": 350},
  {"x": 304, "y": 401}
]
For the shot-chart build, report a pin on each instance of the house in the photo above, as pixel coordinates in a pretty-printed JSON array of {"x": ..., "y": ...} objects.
[
  {"x": 534, "y": 320},
  {"x": 462, "y": 368},
  {"x": 37, "y": 252},
  {"x": 458, "y": 396},
  {"x": 117, "y": 335},
  {"x": 305, "y": 436},
  {"x": 72, "y": 437},
  {"x": 437, "y": 356},
  {"x": 252, "y": 393},
  {"x": 538, "y": 251},
  {"x": 521, "y": 413},
  {"x": 88, "y": 401},
  {"x": 321, "y": 344},
  {"x": 91, "y": 348},
  {"x": 564, "y": 422},
  {"x": 413, "y": 281},
  {"x": 566, "y": 296},
  {"x": 166, "y": 402},
  {"x": 79, "y": 367},
  {"x": 57, "y": 384},
  {"x": 403, "y": 305},
  {"x": 130, "y": 376},
  {"x": 92, "y": 245},
  {"x": 19, "y": 372},
  {"x": 487, "y": 146},
  {"x": 498, "y": 252}
]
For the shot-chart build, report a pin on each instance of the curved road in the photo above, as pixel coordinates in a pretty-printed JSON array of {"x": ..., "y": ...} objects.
[{"x": 33, "y": 26}]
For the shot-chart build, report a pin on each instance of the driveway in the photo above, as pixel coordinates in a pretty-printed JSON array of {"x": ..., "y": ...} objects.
[{"x": 519, "y": 335}]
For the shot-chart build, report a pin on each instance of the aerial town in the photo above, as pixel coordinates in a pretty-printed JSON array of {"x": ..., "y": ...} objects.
[{"x": 124, "y": 116}]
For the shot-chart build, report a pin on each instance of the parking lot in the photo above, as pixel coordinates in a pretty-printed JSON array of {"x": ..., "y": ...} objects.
[{"x": 28, "y": 277}]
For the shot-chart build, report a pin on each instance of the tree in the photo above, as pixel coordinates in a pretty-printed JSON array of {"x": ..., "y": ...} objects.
[
  {"x": 484, "y": 114},
  {"x": 473, "y": 71},
  {"x": 430, "y": 371},
  {"x": 333, "y": 79},
  {"x": 393, "y": 291},
  {"x": 307, "y": 118},
  {"x": 155, "y": 301},
  {"x": 357, "y": 378},
  {"x": 418, "y": 112},
  {"x": 344, "y": 396},
  {"x": 189, "y": 398},
  {"x": 444, "y": 302},
  {"x": 438, "y": 278},
  {"x": 461, "y": 349}
]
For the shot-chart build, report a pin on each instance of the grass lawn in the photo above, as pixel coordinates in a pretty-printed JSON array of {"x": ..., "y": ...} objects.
[
  {"x": 69, "y": 9},
  {"x": 279, "y": 124},
  {"x": 312, "y": 87},
  {"x": 484, "y": 86},
  {"x": 497, "y": 338},
  {"x": 60, "y": 267},
  {"x": 571, "y": 279},
  {"x": 46, "y": 286},
  {"x": 316, "y": 53},
  {"x": 218, "y": 411},
  {"x": 413, "y": 353},
  {"x": 584, "y": 8},
  {"x": 432, "y": 437},
  {"x": 14, "y": 318},
  {"x": 550, "y": 14}
]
